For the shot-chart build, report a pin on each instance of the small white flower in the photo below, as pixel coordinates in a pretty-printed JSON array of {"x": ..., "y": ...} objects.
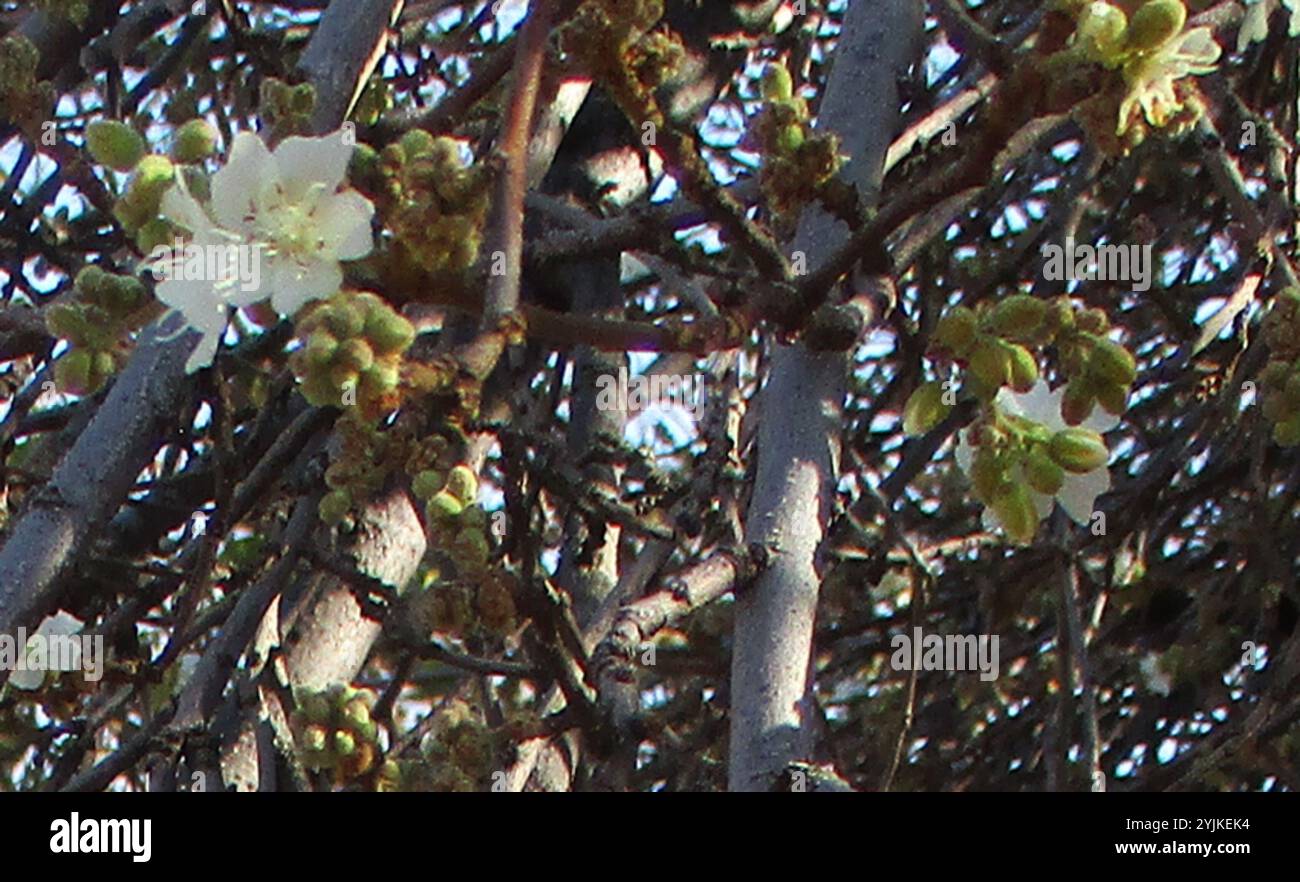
[
  {"x": 287, "y": 207},
  {"x": 289, "y": 202},
  {"x": 1078, "y": 492},
  {"x": 61, "y": 624},
  {"x": 202, "y": 302}
]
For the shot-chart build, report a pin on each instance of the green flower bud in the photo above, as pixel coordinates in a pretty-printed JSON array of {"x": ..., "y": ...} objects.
[
  {"x": 956, "y": 330},
  {"x": 320, "y": 349},
  {"x": 103, "y": 366},
  {"x": 1112, "y": 398},
  {"x": 463, "y": 484},
  {"x": 364, "y": 164},
  {"x": 925, "y": 408},
  {"x": 344, "y": 319},
  {"x": 1093, "y": 321},
  {"x": 986, "y": 474},
  {"x": 345, "y": 743},
  {"x": 470, "y": 547},
  {"x": 1155, "y": 24},
  {"x": 92, "y": 281},
  {"x": 342, "y": 377},
  {"x": 1015, "y": 510},
  {"x": 194, "y": 142},
  {"x": 417, "y": 144},
  {"x": 153, "y": 233},
  {"x": 355, "y": 354},
  {"x": 380, "y": 378},
  {"x": 1078, "y": 450},
  {"x": 1043, "y": 474},
  {"x": 427, "y": 483},
  {"x": 790, "y": 138},
  {"x": 314, "y": 739},
  {"x": 442, "y": 505},
  {"x": 356, "y": 712},
  {"x": 114, "y": 144},
  {"x": 1077, "y": 401},
  {"x": 388, "y": 332},
  {"x": 1287, "y": 432},
  {"x": 153, "y": 175},
  {"x": 1018, "y": 317},
  {"x": 776, "y": 83},
  {"x": 302, "y": 99},
  {"x": 1103, "y": 25},
  {"x": 991, "y": 362},
  {"x": 72, "y": 372},
  {"x": 1112, "y": 363},
  {"x": 66, "y": 320},
  {"x": 334, "y": 506},
  {"x": 1024, "y": 368}
]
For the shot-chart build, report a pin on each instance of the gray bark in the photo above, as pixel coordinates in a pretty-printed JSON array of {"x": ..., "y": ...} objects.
[{"x": 799, "y": 436}]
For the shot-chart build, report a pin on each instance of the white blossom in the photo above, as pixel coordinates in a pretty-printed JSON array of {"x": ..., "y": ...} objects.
[
  {"x": 286, "y": 206},
  {"x": 1079, "y": 492}
]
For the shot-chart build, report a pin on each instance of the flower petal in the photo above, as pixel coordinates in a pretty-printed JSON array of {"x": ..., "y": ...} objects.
[
  {"x": 182, "y": 209},
  {"x": 302, "y": 162},
  {"x": 237, "y": 185},
  {"x": 344, "y": 223},
  {"x": 1078, "y": 495},
  {"x": 295, "y": 284}
]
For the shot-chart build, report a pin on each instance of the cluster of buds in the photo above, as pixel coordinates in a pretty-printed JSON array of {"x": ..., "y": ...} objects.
[
  {"x": 996, "y": 343},
  {"x": 97, "y": 327},
  {"x": 1280, "y": 380},
  {"x": 351, "y": 353},
  {"x": 433, "y": 201},
  {"x": 336, "y": 732},
  {"x": 458, "y": 527},
  {"x": 458, "y": 749},
  {"x": 286, "y": 110},
  {"x": 24, "y": 100},
  {"x": 361, "y": 464},
  {"x": 797, "y": 163},
  {"x": 1016, "y": 457},
  {"x": 120, "y": 147}
]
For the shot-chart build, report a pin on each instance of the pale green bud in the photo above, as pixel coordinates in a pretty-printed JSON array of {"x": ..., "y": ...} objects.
[{"x": 1078, "y": 450}]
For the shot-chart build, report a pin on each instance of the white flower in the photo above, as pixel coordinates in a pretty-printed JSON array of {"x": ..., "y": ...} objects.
[
  {"x": 1078, "y": 492},
  {"x": 289, "y": 202},
  {"x": 61, "y": 624},
  {"x": 284, "y": 208},
  {"x": 202, "y": 301}
]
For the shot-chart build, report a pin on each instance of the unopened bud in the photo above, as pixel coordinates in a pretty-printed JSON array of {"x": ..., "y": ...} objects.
[
  {"x": 1112, "y": 362},
  {"x": 1043, "y": 474},
  {"x": 1018, "y": 317},
  {"x": 114, "y": 144},
  {"x": 1078, "y": 450},
  {"x": 1155, "y": 24},
  {"x": 1015, "y": 510},
  {"x": 956, "y": 330},
  {"x": 925, "y": 408},
  {"x": 194, "y": 142}
]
